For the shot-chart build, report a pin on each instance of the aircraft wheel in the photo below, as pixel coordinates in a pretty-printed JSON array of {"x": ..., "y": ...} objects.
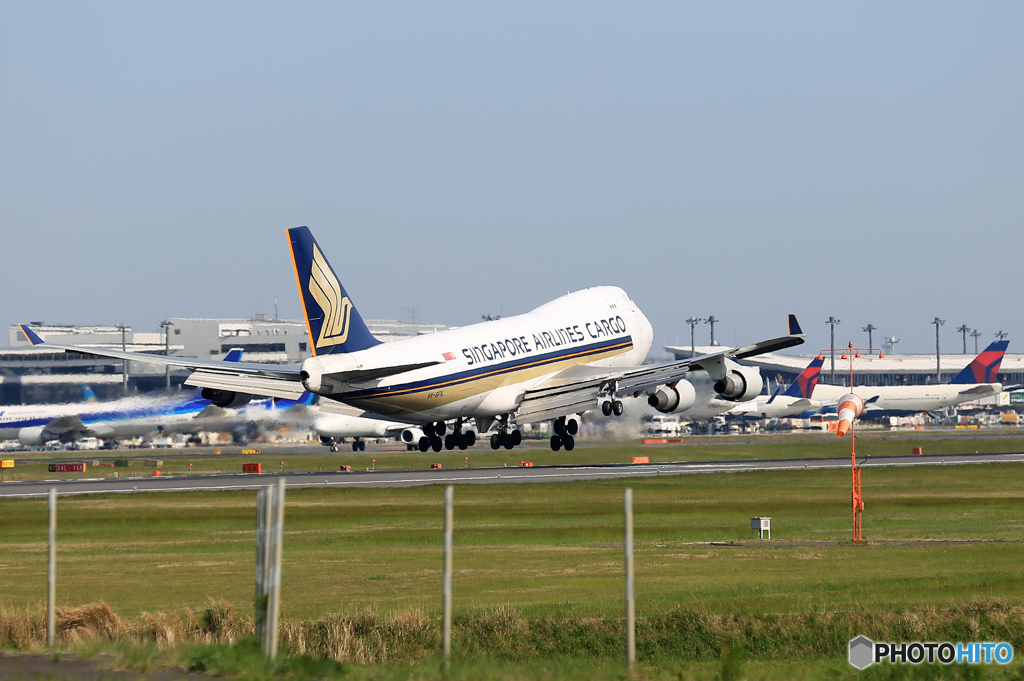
[
  {"x": 424, "y": 443},
  {"x": 509, "y": 442},
  {"x": 410, "y": 448},
  {"x": 569, "y": 442},
  {"x": 495, "y": 441},
  {"x": 362, "y": 446},
  {"x": 556, "y": 443},
  {"x": 449, "y": 442},
  {"x": 606, "y": 408},
  {"x": 470, "y": 438},
  {"x": 572, "y": 426},
  {"x": 334, "y": 448},
  {"x": 517, "y": 438},
  {"x": 355, "y": 446},
  {"x": 439, "y": 429},
  {"x": 436, "y": 444},
  {"x": 559, "y": 426},
  {"x": 617, "y": 408},
  {"x": 463, "y": 442}
]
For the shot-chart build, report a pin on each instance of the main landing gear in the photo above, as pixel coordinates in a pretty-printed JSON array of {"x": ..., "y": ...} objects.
[
  {"x": 609, "y": 407},
  {"x": 432, "y": 434},
  {"x": 459, "y": 439},
  {"x": 504, "y": 438},
  {"x": 434, "y": 437},
  {"x": 357, "y": 445},
  {"x": 564, "y": 431}
]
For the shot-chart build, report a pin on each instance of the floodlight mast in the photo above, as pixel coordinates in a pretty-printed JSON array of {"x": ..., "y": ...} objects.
[
  {"x": 693, "y": 322},
  {"x": 832, "y": 321},
  {"x": 964, "y": 330}
]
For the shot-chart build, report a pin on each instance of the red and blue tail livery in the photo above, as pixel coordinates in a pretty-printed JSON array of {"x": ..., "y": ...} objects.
[
  {"x": 804, "y": 384},
  {"x": 333, "y": 322},
  {"x": 985, "y": 367}
]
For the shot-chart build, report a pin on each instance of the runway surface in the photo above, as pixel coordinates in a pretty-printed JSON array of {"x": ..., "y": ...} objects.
[{"x": 480, "y": 476}]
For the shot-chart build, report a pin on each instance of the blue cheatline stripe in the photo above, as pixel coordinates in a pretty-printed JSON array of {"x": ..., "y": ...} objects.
[{"x": 494, "y": 370}]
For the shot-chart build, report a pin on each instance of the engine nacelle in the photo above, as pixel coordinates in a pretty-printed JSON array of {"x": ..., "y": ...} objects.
[
  {"x": 33, "y": 436},
  {"x": 740, "y": 384},
  {"x": 225, "y": 399},
  {"x": 411, "y": 435},
  {"x": 673, "y": 398}
]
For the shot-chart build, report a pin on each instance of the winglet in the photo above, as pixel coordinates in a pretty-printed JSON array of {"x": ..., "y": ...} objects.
[
  {"x": 234, "y": 355},
  {"x": 794, "y": 326},
  {"x": 31, "y": 335}
]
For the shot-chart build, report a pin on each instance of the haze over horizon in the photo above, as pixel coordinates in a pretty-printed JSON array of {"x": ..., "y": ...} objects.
[{"x": 746, "y": 161}]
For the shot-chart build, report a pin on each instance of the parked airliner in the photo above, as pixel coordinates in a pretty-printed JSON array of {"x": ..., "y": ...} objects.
[
  {"x": 578, "y": 352},
  {"x": 977, "y": 380}
]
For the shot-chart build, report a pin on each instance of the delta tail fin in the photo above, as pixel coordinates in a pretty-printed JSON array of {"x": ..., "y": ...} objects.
[
  {"x": 804, "y": 384},
  {"x": 334, "y": 324},
  {"x": 985, "y": 367}
]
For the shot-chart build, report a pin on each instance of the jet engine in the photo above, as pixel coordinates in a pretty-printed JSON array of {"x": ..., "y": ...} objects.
[
  {"x": 740, "y": 384},
  {"x": 226, "y": 399},
  {"x": 33, "y": 436},
  {"x": 673, "y": 398},
  {"x": 411, "y": 435}
]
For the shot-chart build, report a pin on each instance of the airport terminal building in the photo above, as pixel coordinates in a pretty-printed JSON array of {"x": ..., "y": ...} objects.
[{"x": 31, "y": 375}]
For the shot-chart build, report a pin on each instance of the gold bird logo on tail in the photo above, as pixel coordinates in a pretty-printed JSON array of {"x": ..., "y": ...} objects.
[{"x": 337, "y": 309}]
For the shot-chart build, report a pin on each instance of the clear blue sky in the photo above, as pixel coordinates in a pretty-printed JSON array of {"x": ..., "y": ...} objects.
[{"x": 746, "y": 160}]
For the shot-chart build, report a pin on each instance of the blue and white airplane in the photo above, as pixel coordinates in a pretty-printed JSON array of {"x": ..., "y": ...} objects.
[
  {"x": 120, "y": 419},
  {"x": 578, "y": 352}
]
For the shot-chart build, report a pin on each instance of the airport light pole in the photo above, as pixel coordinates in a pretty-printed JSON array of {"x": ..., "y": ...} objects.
[
  {"x": 938, "y": 356},
  {"x": 124, "y": 362},
  {"x": 891, "y": 341},
  {"x": 1001, "y": 335},
  {"x": 832, "y": 321},
  {"x": 167, "y": 351},
  {"x": 693, "y": 322},
  {"x": 869, "y": 328},
  {"x": 964, "y": 329},
  {"x": 975, "y": 335},
  {"x": 711, "y": 320}
]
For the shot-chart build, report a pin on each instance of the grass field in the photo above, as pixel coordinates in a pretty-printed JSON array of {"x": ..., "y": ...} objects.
[
  {"x": 544, "y": 548},
  {"x": 528, "y": 555},
  {"x": 314, "y": 457}
]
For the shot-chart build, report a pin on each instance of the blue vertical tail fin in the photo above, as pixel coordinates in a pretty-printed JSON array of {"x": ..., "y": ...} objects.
[
  {"x": 87, "y": 394},
  {"x": 333, "y": 322}
]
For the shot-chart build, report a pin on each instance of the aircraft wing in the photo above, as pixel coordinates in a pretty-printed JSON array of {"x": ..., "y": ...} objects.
[
  {"x": 578, "y": 388},
  {"x": 272, "y": 380},
  {"x": 982, "y": 390}
]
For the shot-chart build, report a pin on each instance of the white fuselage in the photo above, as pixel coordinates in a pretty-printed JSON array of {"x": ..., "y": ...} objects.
[
  {"x": 486, "y": 368},
  {"x": 781, "y": 407},
  {"x": 124, "y": 418},
  {"x": 910, "y": 398}
]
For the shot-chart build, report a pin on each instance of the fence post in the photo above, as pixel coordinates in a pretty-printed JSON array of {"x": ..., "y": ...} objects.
[
  {"x": 446, "y": 589},
  {"x": 261, "y": 561},
  {"x": 274, "y": 555},
  {"x": 627, "y": 499},
  {"x": 51, "y": 572}
]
